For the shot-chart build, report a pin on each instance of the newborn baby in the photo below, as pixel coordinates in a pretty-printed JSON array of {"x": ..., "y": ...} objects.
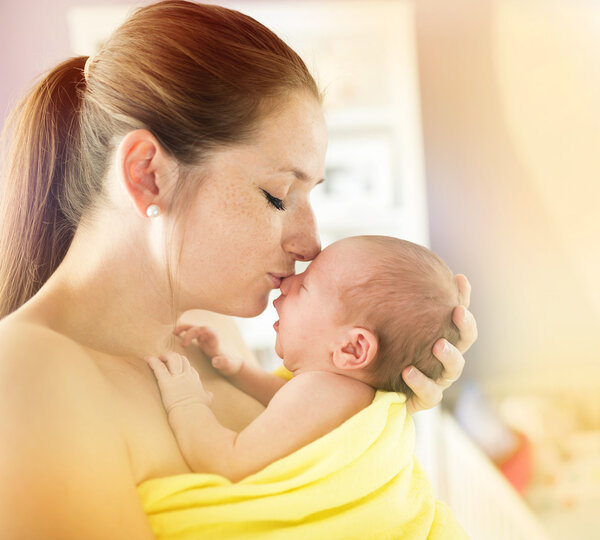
[{"x": 364, "y": 309}]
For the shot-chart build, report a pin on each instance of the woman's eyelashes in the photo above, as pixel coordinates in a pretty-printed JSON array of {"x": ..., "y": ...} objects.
[{"x": 274, "y": 201}]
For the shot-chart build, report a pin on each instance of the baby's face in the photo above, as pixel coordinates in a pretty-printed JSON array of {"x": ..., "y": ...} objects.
[{"x": 310, "y": 310}]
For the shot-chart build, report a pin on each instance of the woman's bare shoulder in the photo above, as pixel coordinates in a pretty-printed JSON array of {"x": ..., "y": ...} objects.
[
  {"x": 27, "y": 347},
  {"x": 64, "y": 444},
  {"x": 44, "y": 373},
  {"x": 19, "y": 331}
]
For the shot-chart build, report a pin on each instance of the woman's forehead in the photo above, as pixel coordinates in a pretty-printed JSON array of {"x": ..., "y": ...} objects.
[{"x": 293, "y": 140}]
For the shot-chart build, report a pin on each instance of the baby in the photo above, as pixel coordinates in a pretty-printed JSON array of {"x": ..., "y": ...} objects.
[{"x": 364, "y": 309}]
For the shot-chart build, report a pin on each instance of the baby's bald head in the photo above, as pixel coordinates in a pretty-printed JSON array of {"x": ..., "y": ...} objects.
[{"x": 405, "y": 295}]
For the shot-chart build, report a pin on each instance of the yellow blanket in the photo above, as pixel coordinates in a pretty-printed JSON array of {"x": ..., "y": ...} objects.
[{"x": 360, "y": 481}]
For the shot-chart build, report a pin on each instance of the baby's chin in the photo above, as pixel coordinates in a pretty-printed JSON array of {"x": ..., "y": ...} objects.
[{"x": 279, "y": 350}]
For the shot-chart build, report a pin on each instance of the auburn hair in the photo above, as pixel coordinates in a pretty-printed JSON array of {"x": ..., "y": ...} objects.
[{"x": 196, "y": 76}]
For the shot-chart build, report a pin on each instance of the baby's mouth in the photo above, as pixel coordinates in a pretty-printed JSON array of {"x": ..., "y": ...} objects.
[{"x": 276, "y": 326}]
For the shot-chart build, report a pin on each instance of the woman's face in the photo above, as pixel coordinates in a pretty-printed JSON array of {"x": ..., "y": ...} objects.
[{"x": 251, "y": 218}]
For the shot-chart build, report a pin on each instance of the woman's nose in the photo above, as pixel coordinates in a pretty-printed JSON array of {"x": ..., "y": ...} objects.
[
  {"x": 285, "y": 285},
  {"x": 302, "y": 240}
]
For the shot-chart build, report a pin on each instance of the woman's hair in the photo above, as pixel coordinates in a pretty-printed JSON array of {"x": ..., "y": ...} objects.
[
  {"x": 406, "y": 299},
  {"x": 196, "y": 76}
]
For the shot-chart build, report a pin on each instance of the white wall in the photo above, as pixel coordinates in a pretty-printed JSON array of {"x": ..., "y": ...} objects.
[{"x": 510, "y": 93}]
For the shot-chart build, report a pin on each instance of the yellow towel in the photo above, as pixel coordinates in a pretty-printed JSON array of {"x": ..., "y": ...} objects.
[{"x": 360, "y": 481}]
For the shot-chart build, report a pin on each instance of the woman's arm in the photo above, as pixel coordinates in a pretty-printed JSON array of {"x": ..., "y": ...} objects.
[
  {"x": 64, "y": 467},
  {"x": 428, "y": 393}
]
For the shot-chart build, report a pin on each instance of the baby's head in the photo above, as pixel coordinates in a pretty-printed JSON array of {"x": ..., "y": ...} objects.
[
  {"x": 405, "y": 296},
  {"x": 368, "y": 307}
]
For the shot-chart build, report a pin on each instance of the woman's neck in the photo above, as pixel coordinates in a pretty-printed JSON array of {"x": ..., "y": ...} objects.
[{"x": 107, "y": 296}]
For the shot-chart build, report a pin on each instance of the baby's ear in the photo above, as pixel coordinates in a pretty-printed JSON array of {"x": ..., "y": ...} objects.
[{"x": 356, "y": 350}]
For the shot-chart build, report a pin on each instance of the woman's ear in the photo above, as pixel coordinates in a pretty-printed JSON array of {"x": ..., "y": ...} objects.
[
  {"x": 144, "y": 170},
  {"x": 357, "y": 349}
]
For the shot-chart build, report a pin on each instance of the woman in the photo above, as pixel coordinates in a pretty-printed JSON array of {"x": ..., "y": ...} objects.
[{"x": 170, "y": 172}]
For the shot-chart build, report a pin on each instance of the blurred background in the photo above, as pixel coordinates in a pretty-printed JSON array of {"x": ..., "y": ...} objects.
[{"x": 473, "y": 127}]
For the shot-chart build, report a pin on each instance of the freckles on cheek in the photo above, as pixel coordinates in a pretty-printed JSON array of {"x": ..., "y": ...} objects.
[{"x": 235, "y": 222}]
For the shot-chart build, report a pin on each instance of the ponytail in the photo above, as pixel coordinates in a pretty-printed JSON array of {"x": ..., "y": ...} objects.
[{"x": 42, "y": 154}]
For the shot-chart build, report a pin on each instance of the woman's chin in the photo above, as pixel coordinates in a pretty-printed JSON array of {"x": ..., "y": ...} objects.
[
  {"x": 243, "y": 307},
  {"x": 252, "y": 310}
]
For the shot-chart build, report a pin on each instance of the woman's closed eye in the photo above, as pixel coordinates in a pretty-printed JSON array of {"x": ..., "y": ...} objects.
[{"x": 274, "y": 201}]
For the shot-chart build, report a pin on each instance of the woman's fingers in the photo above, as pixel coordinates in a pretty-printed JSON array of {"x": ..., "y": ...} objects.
[
  {"x": 464, "y": 287},
  {"x": 452, "y": 360},
  {"x": 427, "y": 393},
  {"x": 462, "y": 317},
  {"x": 467, "y": 327}
]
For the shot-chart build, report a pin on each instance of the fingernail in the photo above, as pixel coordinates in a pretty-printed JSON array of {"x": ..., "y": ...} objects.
[
  {"x": 446, "y": 348},
  {"x": 410, "y": 371}
]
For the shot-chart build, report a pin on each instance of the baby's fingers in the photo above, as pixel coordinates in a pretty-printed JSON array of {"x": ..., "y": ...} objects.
[
  {"x": 227, "y": 365},
  {"x": 181, "y": 328},
  {"x": 157, "y": 366},
  {"x": 206, "y": 338},
  {"x": 195, "y": 332},
  {"x": 183, "y": 333},
  {"x": 175, "y": 362}
]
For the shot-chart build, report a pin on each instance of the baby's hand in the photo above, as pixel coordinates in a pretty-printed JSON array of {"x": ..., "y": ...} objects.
[
  {"x": 227, "y": 365},
  {"x": 209, "y": 343},
  {"x": 207, "y": 340},
  {"x": 178, "y": 381}
]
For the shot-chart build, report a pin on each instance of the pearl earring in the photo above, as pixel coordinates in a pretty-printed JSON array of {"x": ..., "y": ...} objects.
[{"x": 153, "y": 211}]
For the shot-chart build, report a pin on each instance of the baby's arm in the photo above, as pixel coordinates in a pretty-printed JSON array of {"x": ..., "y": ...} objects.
[
  {"x": 249, "y": 378},
  {"x": 307, "y": 407}
]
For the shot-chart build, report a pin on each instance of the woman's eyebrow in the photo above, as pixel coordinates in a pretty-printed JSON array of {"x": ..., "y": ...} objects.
[{"x": 300, "y": 175}]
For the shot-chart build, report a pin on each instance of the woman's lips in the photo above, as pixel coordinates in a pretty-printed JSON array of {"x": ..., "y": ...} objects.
[
  {"x": 276, "y": 279},
  {"x": 276, "y": 326}
]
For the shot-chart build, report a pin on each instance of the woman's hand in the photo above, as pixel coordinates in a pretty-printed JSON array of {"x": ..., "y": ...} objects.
[{"x": 428, "y": 393}]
